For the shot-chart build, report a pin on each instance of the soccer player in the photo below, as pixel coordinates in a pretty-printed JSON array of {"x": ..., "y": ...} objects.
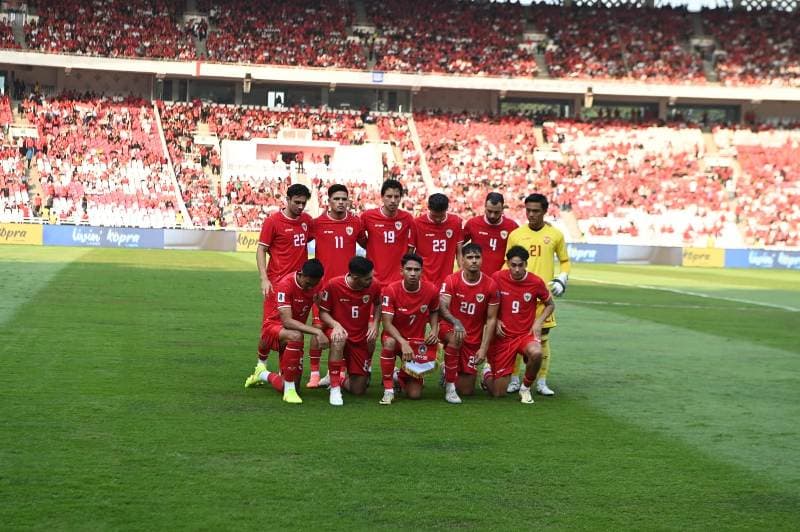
[
  {"x": 491, "y": 232},
  {"x": 286, "y": 311},
  {"x": 468, "y": 307},
  {"x": 388, "y": 233},
  {"x": 350, "y": 309},
  {"x": 335, "y": 231},
  {"x": 409, "y": 306},
  {"x": 519, "y": 325},
  {"x": 542, "y": 241},
  {"x": 439, "y": 239}
]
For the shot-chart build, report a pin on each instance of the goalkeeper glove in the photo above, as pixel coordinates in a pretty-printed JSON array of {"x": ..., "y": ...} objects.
[{"x": 559, "y": 285}]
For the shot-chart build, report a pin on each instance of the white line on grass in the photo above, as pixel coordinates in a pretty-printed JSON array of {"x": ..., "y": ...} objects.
[{"x": 690, "y": 293}]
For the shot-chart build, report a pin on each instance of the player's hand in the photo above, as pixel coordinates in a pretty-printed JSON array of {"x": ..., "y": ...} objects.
[
  {"x": 480, "y": 357},
  {"x": 407, "y": 352},
  {"x": 322, "y": 340},
  {"x": 458, "y": 331},
  {"x": 537, "y": 333},
  {"x": 499, "y": 330},
  {"x": 372, "y": 332},
  {"x": 559, "y": 285},
  {"x": 432, "y": 337},
  {"x": 338, "y": 334},
  {"x": 266, "y": 288}
]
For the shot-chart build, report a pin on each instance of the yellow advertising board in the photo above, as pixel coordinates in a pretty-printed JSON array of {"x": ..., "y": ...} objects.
[
  {"x": 704, "y": 257},
  {"x": 247, "y": 241},
  {"x": 30, "y": 234}
]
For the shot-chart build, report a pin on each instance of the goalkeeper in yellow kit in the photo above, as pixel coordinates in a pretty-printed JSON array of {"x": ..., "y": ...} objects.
[{"x": 542, "y": 241}]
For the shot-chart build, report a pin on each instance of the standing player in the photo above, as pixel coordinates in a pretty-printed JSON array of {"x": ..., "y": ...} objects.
[
  {"x": 439, "y": 239},
  {"x": 468, "y": 307},
  {"x": 336, "y": 232},
  {"x": 491, "y": 232},
  {"x": 542, "y": 241},
  {"x": 350, "y": 309},
  {"x": 409, "y": 306},
  {"x": 519, "y": 327},
  {"x": 286, "y": 311},
  {"x": 388, "y": 233}
]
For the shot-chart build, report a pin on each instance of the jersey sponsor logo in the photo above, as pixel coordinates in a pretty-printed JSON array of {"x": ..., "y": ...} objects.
[
  {"x": 527, "y": 297},
  {"x": 344, "y": 299},
  {"x": 423, "y": 309},
  {"x": 503, "y": 234},
  {"x": 479, "y": 298},
  {"x": 304, "y": 226},
  {"x": 349, "y": 231},
  {"x": 365, "y": 299},
  {"x": 449, "y": 233},
  {"x": 398, "y": 225},
  {"x": 288, "y": 230}
]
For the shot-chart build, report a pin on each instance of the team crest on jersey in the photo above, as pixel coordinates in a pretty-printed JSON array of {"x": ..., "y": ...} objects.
[
  {"x": 365, "y": 299},
  {"x": 304, "y": 226},
  {"x": 504, "y": 234},
  {"x": 422, "y": 349},
  {"x": 423, "y": 309},
  {"x": 479, "y": 298},
  {"x": 349, "y": 231},
  {"x": 527, "y": 297},
  {"x": 449, "y": 233},
  {"x": 398, "y": 225},
  {"x": 546, "y": 240}
]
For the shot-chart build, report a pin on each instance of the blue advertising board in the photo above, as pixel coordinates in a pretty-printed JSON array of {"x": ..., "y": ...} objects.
[
  {"x": 102, "y": 237},
  {"x": 592, "y": 253},
  {"x": 762, "y": 258}
]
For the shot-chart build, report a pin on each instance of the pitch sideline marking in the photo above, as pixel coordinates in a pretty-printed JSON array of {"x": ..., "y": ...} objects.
[{"x": 690, "y": 293}]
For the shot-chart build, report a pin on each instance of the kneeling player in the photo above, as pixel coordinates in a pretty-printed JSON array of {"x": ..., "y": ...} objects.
[
  {"x": 468, "y": 307},
  {"x": 346, "y": 304},
  {"x": 518, "y": 329},
  {"x": 409, "y": 305},
  {"x": 285, "y": 314}
]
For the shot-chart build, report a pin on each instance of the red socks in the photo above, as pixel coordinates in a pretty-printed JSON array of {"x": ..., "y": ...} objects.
[
  {"x": 451, "y": 355},
  {"x": 314, "y": 357},
  {"x": 335, "y": 372},
  {"x": 291, "y": 361},
  {"x": 387, "y": 369}
]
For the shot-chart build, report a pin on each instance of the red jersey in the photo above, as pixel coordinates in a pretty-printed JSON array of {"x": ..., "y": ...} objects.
[
  {"x": 351, "y": 308},
  {"x": 518, "y": 301},
  {"x": 492, "y": 239},
  {"x": 287, "y": 293},
  {"x": 436, "y": 244},
  {"x": 469, "y": 303},
  {"x": 285, "y": 239},
  {"x": 388, "y": 239},
  {"x": 411, "y": 310},
  {"x": 336, "y": 243}
]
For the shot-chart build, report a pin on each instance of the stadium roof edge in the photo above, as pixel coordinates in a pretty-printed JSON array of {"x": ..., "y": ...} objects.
[{"x": 366, "y": 79}]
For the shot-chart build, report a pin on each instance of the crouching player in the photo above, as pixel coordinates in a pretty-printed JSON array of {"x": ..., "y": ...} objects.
[
  {"x": 286, "y": 311},
  {"x": 468, "y": 306},
  {"x": 350, "y": 311},
  {"x": 409, "y": 306},
  {"x": 518, "y": 330}
]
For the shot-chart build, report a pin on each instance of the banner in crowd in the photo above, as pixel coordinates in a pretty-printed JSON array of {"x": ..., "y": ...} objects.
[
  {"x": 30, "y": 234},
  {"x": 199, "y": 239},
  {"x": 762, "y": 258},
  {"x": 592, "y": 253},
  {"x": 704, "y": 257},
  {"x": 102, "y": 237},
  {"x": 247, "y": 241}
]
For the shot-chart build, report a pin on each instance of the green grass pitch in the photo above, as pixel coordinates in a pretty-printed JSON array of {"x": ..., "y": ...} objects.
[{"x": 122, "y": 407}]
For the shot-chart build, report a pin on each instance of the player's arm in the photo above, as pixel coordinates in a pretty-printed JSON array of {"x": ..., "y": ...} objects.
[
  {"x": 549, "y": 308},
  {"x": 292, "y": 324},
  {"x": 459, "y": 255},
  {"x": 391, "y": 330},
  {"x": 338, "y": 333},
  {"x": 444, "y": 312},
  {"x": 262, "y": 260},
  {"x": 432, "y": 338},
  {"x": 372, "y": 329},
  {"x": 559, "y": 285},
  {"x": 488, "y": 332}
]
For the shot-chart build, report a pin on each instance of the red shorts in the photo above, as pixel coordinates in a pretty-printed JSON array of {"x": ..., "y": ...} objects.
[
  {"x": 357, "y": 355},
  {"x": 270, "y": 335},
  {"x": 503, "y": 351}
]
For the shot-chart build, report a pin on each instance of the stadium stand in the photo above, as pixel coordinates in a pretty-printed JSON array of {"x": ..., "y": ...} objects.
[
  {"x": 15, "y": 205},
  {"x": 7, "y": 36}
]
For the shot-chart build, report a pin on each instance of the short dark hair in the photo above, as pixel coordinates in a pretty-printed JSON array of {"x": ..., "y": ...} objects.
[
  {"x": 538, "y": 198},
  {"x": 313, "y": 268},
  {"x": 391, "y": 183},
  {"x": 517, "y": 251},
  {"x": 409, "y": 257},
  {"x": 495, "y": 197},
  {"x": 472, "y": 247},
  {"x": 338, "y": 187},
  {"x": 438, "y": 202},
  {"x": 360, "y": 266},
  {"x": 298, "y": 189}
]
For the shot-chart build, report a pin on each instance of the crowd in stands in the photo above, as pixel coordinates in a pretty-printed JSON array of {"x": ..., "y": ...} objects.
[
  {"x": 7, "y": 40},
  {"x": 15, "y": 202},
  {"x": 308, "y": 33},
  {"x": 110, "y": 28}
]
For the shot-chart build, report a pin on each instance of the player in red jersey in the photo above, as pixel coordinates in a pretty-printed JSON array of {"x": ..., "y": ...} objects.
[
  {"x": 286, "y": 311},
  {"x": 490, "y": 232},
  {"x": 350, "y": 309},
  {"x": 519, "y": 331},
  {"x": 335, "y": 232},
  {"x": 439, "y": 239},
  {"x": 468, "y": 307},
  {"x": 409, "y": 306},
  {"x": 388, "y": 233}
]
